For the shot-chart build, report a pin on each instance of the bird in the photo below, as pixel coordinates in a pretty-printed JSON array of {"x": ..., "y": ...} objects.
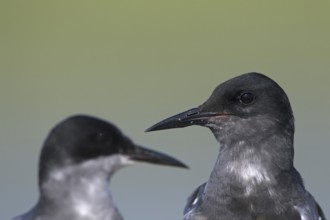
[
  {"x": 77, "y": 161},
  {"x": 254, "y": 177}
]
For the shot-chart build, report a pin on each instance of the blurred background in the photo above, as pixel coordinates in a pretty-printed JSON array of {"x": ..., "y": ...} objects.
[{"x": 137, "y": 62}]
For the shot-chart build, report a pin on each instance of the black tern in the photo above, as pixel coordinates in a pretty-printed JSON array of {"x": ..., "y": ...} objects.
[
  {"x": 77, "y": 160},
  {"x": 254, "y": 177}
]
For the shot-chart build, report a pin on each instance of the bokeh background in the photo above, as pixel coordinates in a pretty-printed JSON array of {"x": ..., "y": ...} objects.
[{"x": 137, "y": 62}]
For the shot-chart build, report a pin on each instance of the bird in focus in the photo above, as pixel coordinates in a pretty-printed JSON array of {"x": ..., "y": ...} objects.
[
  {"x": 77, "y": 161},
  {"x": 254, "y": 177}
]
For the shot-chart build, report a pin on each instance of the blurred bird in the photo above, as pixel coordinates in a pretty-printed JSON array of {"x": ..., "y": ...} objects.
[
  {"x": 78, "y": 158},
  {"x": 254, "y": 177}
]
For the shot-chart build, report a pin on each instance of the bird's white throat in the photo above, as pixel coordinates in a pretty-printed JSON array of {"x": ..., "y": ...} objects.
[{"x": 84, "y": 187}]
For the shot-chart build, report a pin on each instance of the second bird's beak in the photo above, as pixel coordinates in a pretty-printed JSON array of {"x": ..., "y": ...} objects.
[
  {"x": 142, "y": 154},
  {"x": 190, "y": 117}
]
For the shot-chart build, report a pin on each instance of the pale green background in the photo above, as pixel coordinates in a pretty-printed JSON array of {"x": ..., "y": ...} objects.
[{"x": 137, "y": 62}]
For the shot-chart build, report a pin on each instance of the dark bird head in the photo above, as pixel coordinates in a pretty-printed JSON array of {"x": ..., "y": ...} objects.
[
  {"x": 250, "y": 100},
  {"x": 81, "y": 139}
]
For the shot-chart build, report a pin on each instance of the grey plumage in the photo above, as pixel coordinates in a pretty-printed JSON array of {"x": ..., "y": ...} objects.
[
  {"x": 254, "y": 177},
  {"x": 78, "y": 158}
]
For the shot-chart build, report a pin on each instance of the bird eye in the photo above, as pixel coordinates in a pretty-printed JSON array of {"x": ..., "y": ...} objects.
[
  {"x": 247, "y": 98},
  {"x": 100, "y": 137}
]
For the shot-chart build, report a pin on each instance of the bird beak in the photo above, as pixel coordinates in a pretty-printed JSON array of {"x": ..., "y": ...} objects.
[
  {"x": 141, "y": 154},
  {"x": 190, "y": 117}
]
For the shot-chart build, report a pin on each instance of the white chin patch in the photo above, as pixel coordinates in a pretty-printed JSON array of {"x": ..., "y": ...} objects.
[
  {"x": 105, "y": 164},
  {"x": 125, "y": 160}
]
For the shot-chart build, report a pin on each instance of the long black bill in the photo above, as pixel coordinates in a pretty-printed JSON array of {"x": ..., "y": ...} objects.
[
  {"x": 150, "y": 156},
  {"x": 190, "y": 117}
]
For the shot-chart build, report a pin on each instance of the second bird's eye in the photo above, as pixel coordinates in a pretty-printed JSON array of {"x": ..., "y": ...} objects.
[
  {"x": 100, "y": 137},
  {"x": 247, "y": 98}
]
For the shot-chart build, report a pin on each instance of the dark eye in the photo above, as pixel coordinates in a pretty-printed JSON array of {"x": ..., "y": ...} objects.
[
  {"x": 246, "y": 98},
  {"x": 100, "y": 137}
]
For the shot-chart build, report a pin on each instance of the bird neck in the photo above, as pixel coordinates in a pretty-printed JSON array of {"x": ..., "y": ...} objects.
[
  {"x": 259, "y": 139},
  {"x": 83, "y": 188},
  {"x": 250, "y": 162}
]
